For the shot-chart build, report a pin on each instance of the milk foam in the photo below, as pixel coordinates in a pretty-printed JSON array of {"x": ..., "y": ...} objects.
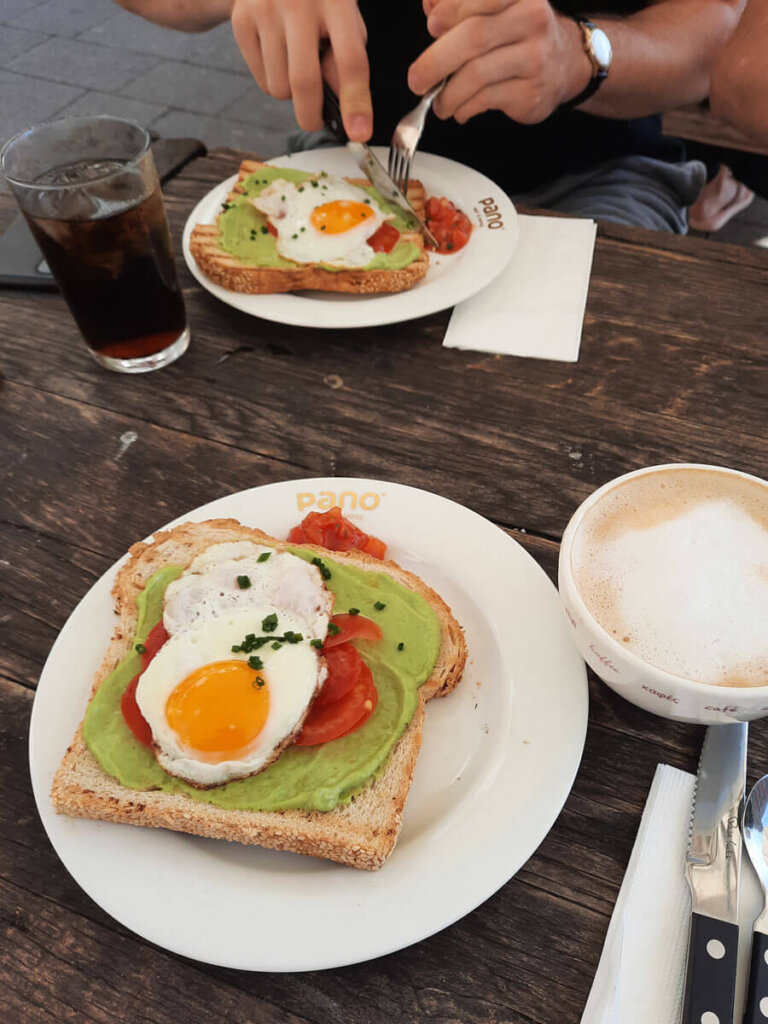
[{"x": 674, "y": 565}]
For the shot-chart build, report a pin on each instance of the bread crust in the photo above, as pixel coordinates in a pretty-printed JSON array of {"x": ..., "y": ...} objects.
[
  {"x": 360, "y": 835},
  {"x": 230, "y": 272}
]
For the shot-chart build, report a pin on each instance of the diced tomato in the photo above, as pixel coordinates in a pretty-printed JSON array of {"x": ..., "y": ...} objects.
[
  {"x": 340, "y": 717},
  {"x": 385, "y": 239},
  {"x": 271, "y": 229},
  {"x": 352, "y": 627},
  {"x": 134, "y": 719},
  {"x": 450, "y": 227},
  {"x": 344, "y": 664},
  {"x": 153, "y": 643},
  {"x": 331, "y": 530}
]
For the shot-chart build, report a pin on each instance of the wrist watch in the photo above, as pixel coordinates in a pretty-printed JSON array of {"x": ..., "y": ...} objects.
[{"x": 597, "y": 47}]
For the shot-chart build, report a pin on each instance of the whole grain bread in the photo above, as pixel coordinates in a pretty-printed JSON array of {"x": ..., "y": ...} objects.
[
  {"x": 360, "y": 835},
  {"x": 230, "y": 272}
]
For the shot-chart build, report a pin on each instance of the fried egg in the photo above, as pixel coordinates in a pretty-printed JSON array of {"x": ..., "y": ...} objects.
[
  {"x": 323, "y": 220},
  {"x": 217, "y": 712}
]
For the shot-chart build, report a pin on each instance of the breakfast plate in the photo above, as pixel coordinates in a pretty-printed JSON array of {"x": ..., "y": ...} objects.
[
  {"x": 498, "y": 759},
  {"x": 450, "y": 278}
]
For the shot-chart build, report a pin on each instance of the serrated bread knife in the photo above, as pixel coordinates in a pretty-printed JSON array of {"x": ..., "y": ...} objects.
[{"x": 713, "y": 866}]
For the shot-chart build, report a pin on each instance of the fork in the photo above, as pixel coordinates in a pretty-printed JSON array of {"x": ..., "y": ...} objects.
[{"x": 405, "y": 138}]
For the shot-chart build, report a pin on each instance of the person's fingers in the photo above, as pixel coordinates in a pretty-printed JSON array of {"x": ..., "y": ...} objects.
[
  {"x": 515, "y": 61},
  {"x": 519, "y": 99},
  {"x": 247, "y": 38},
  {"x": 470, "y": 39},
  {"x": 348, "y": 46},
  {"x": 445, "y": 14},
  {"x": 305, "y": 79},
  {"x": 274, "y": 52}
]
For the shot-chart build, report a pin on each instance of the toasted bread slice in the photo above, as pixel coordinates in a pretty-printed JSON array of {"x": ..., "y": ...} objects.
[
  {"x": 228, "y": 271},
  {"x": 361, "y": 835}
]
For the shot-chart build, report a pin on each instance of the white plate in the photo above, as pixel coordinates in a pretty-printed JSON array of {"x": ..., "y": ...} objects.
[
  {"x": 497, "y": 763},
  {"x": 448, "y": 280}
]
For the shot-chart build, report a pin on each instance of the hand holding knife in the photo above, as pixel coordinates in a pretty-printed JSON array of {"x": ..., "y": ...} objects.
[{"x": 713, "y": 865}]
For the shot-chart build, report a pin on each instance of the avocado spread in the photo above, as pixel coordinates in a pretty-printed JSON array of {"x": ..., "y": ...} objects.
[
  {"x": 308, "y": 778},
  {"x": 243, "y": 229}
]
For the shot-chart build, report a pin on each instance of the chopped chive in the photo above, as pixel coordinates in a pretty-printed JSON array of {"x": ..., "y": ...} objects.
[
  {"x": 300, "y": 188},
  {"x": 325, "y": 572},
  {"x": 379, "y": 606},
  {"x": 333, "y": 629},
  {"x": 316, "y": 643},
  {"x": 263, "y": 556},
  {"x": 269, "y": 624},
  {"x": 401, "y": 646},
  {"x": 265, "y": 231},
  {"x": 354, "y": 611},
  {"x": 322, "y": 227},
  {"x": 236, "y": 648},
  {"x": 282, "y": 199},
  {"x": 255, "y": 662},
  {"x": 367, "y": 201},
  {"x": 141, "y": 648},
  {"x": 292, "y": 638},
  {"x": 449, "y": 246},
  {"x": 313, "y": 184},
  {"x": 276, "y": 645},
  {"x": 303, "y": 229},
  {"x": 258, "y": 682},
  {"x": 243, "y": 582},
  {"x": 294, "y": 236}
]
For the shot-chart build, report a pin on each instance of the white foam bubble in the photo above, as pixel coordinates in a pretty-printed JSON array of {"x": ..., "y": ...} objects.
[{"x": 685, "y": 588}]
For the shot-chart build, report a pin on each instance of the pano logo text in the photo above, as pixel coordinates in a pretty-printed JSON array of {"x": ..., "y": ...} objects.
[{"x": 346, "y": 500}]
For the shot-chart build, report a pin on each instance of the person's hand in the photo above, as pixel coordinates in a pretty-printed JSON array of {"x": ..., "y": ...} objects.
[
  {"x": 281, "y": 42},
  {"x": 517, "y": 56}
]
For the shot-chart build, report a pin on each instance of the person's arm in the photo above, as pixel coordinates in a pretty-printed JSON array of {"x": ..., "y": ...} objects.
[
  {"x": 186, "y": 15},
  {"x": 289, "y": 46},
  {"x": 739, "y": 92},
  {"x": 526, "y": 59}
]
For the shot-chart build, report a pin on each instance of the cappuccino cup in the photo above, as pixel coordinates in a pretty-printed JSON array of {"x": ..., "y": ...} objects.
[{"x": 663, "y": 577}]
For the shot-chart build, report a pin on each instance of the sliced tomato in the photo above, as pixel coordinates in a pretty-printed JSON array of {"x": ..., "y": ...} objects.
[
  {"x": 385, "y": 239},
  {"x": 271, "y": 229},
  {"x": 153, "y": 643},
  {"x": 343, "y": 716},
  {"x": 352, "y": 627},
  {"x": 134, "y": 719},
  {"x": 344, "y": 664},
  {"x": 331, "y": 530}
]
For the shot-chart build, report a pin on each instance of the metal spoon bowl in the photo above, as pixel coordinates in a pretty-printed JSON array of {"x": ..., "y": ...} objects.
[{"x": 755, "y": 831}]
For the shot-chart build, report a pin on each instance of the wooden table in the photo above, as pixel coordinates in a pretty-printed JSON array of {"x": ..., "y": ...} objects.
[{"x": 672, "y": 368}]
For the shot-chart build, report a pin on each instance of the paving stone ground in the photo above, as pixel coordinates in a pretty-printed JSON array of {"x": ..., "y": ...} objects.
[{"x": 89, "y": 56}]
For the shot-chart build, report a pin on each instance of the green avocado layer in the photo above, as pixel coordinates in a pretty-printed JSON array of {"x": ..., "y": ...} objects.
[
  {"x": 243, "y": 228},
  {"x": 308, "y": 778}
]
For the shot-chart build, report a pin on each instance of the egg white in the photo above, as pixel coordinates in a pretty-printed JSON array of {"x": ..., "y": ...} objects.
[
  {"x": 289, "y": 208},
  {"x": 294, "y": 674},
  {"x": 282, "y": 583}
]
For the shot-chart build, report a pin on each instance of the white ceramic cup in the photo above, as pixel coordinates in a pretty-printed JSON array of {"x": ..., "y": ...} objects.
[{"x": 661, "y": 693}]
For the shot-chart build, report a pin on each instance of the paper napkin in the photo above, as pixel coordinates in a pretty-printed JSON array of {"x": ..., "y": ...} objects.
[
  {"x": 535, "y": 307},
  {"x": 641, "y": 973}
]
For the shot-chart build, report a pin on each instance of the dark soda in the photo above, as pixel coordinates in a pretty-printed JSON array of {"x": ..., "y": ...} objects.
[{"x": 116, "y": 270}]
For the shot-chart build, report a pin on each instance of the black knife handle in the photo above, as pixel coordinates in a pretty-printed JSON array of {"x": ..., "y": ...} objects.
[
  {"x": 710, "y": 981},
  {"x": 756, "y": 1008},
  {"x": 332, "y": 114}
]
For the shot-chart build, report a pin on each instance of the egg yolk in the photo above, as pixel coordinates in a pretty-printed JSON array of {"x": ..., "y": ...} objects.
[
  {"x": 219, "y": 710},
  {"x": 339, "y": 216}
]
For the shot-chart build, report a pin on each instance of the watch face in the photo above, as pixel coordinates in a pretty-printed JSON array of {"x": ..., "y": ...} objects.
[{"x": 601, "y": 48}]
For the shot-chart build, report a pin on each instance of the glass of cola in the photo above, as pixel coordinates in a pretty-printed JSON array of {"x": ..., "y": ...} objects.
[{"x": 89, "y": 191}]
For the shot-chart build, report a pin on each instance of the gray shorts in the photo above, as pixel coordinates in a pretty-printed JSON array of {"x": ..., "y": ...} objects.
[{"x": 635, "y": 190}]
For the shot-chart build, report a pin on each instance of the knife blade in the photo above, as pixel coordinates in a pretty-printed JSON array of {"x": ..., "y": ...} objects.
[
  {"x": 713, "y": 868},
  {"x": 368, "y": 162}
]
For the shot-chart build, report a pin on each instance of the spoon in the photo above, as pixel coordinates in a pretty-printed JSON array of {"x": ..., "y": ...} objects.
[{"x": 754, "y": 828}]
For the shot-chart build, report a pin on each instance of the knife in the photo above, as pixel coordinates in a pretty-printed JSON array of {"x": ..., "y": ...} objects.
[
  {"x": 713, "y": 867},
  {"x": 368, "y": 162}
]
